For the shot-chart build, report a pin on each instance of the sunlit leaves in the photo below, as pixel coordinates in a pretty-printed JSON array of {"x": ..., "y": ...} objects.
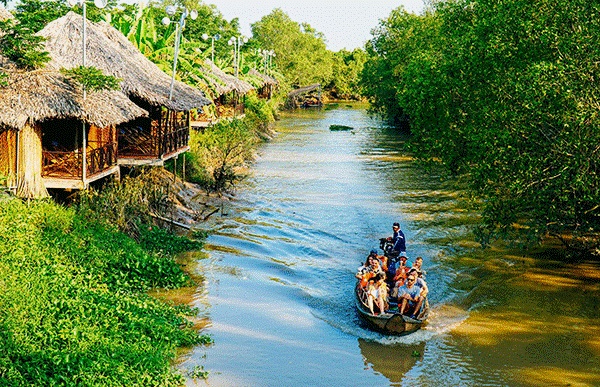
[
  {"x": 19, "y": 44},
  {"x": 92, "y": 78},
  {"x": 505, "y": 93}
]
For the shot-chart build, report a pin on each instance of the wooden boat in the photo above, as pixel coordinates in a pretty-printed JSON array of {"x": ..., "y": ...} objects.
[{"x": 392, "y": 323}]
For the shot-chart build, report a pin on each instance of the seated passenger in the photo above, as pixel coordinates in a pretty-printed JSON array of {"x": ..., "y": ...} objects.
[
  {"x": 419, "y": 266},
  {"x": 420, "y": 282},
  {"x": 405, "y": 262},
  {"x": 409, "y": 293},
  {"x": 382, "y": 259},
  {"x": 401, "y": 268},
  {"x": 397, "y": 282},
  {"x": 377, "y": 289},
  {"x": 365, "y": 272}
]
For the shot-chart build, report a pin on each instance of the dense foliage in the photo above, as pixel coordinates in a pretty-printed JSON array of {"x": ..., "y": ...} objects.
[
  {"x": 347, "y": 68},
  {"x": 504, "y": 93},
  {"x": 19, "y": 44},
  {"x": 73, "y": 303},
  {"x": 301, "y": 52}
]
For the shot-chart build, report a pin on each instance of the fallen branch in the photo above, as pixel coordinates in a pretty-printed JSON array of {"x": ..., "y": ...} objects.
[{"x": 176, "y": 223}]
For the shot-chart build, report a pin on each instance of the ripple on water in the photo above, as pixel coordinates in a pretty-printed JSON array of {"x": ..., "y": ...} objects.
[{"x": 280, "y": 276}]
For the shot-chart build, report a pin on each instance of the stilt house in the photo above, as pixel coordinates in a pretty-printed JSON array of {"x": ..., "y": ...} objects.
[
  {"x": 233, "y": 98},
  {"x": 266, "y": 83},
  {"x": 51, "y": 137},
  {"x": 152, "y": 140}
]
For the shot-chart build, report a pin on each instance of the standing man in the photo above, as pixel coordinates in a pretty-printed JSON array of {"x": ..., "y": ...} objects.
[{"x": 398, "y": 238}]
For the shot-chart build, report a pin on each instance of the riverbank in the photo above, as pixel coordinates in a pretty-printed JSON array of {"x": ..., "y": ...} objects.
[
  {"x": 76, "y": 281},
  {"x": 191, "y": 204},
  {"x": 74, "y": 305}
]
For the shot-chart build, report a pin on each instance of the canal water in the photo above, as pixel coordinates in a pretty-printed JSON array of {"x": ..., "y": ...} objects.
[{"x": 277, "y": 275}]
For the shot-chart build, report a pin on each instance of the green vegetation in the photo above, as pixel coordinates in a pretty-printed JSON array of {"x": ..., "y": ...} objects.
[
  {"x": 503, "y": 94},
  {"x": 301, "y": 50},
  {"x": 35, "y": 14},
  {"x": 340, "y": 127},
  {"x": 92, "y": 78},
  {"x": 73, "y": 303},
  {"x": 128, "y": 205},
  {"x": 347, "y": 69},
  {"x": 303, "y": 58},
  {"x": 19, "y": 44},
  {"x": 219, "y": 154}
]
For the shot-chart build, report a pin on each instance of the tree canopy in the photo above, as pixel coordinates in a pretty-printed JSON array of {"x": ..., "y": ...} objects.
[
  {"x": 505, "y": 94},
  {"x": 302, "y": 55}
]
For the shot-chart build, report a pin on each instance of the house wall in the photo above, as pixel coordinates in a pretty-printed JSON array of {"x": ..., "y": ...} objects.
[{"x": 7, "y": 157}]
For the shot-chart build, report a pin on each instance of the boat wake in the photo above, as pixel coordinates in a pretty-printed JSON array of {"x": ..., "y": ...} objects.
[{"x": 442, "y": 319}]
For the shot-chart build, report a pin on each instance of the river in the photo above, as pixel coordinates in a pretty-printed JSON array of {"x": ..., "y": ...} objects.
[{"x": 277, "y": 276}]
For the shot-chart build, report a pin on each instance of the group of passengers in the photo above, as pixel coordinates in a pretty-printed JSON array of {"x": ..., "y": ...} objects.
[{"x": 393, "y": 278}]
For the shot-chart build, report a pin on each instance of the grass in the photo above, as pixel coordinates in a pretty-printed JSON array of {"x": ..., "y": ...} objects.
[{"x": 74, "y": 309}]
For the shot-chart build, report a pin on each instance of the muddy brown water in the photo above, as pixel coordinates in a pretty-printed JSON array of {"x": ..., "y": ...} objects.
[{"x": 277, "y": 276}]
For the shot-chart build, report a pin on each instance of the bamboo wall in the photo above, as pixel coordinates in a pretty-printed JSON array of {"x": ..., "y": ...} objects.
[
  {"x": 7, "y": 157},
  {"x": 29, "y": 177},
  {"x": 98, "y": 137}
]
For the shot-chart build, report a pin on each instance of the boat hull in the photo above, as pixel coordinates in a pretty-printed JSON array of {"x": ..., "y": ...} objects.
[{"x": 390, "y": 323}]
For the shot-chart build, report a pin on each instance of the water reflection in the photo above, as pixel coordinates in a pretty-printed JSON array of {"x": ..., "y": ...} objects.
[{"x": 393, "y": 361}]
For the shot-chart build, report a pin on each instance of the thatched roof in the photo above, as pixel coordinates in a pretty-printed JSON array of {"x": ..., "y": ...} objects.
[
  {"x": 231, "y": 82},
  {"x": 109, "y": 50},
  {"x": 4, "y": 14},
  {"x": 214, "y": 81},
  {"x": 304, "y": 89},
  {"x": 39, "y": 95},
  {"x": 265, "y": 79}
]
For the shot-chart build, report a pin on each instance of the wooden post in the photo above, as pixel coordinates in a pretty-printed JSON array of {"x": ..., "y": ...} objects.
[
  {"x": 175, "y": 169},
  {"x": 183, "y": 173}
]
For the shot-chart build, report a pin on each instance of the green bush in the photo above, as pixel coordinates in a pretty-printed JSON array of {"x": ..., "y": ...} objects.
[
  {"x": 73, "y": 303},
  {"x": 218, "y": 155},
  {"x": 222, "y": 152},
  {"x": 129, "y": 203}
]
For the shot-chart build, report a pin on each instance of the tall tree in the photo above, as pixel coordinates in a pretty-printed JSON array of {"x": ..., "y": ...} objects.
[
  {"x": 347, "y": 67},
  {"x": 505, "y": 93},
  {"x": 302, "y": 56}
]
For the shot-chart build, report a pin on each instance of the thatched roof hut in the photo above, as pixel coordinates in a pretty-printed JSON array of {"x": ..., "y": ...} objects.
[
  {"x": 109, "y": 50},
  {"x": 4, "y": 14},
  {"x": 265, "y": 79},
  {"x": 216, "y": 84},
  {"x": 32, "y": 99},
  {"x": 39, "y": 95},
  {"x": 231, "y": 82}
]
